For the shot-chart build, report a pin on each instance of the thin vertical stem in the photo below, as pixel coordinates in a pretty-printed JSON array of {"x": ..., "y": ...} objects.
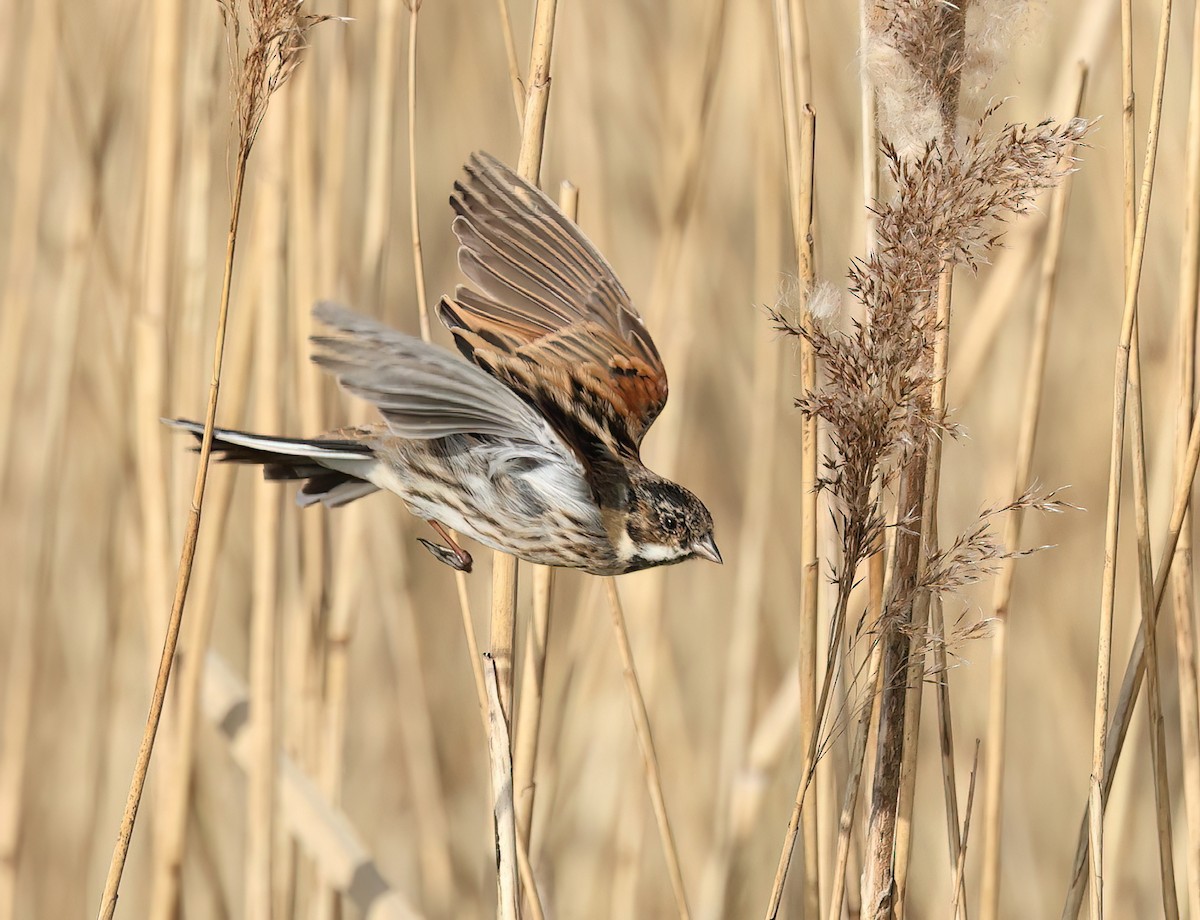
[
  {"x": 529, "y": 165},
  {"x": 537, "y": 93},
  {"x": 379, "y": 145},
  {"x": 112, "y": 884},
  {"x": 993, "y": 772},
  {"x": 260, "y": 798},
  {"x": 924, "y": 606},
  {"x": 961, "y": 849},
  {"x": 418, "y": 262},
  {"x": 879, "y": 889},
  {"x": 1162, "y": 796},
  {"x": 1182, "y": 580},
  {"x": 500, "y": 758},
  {"x": 510, "y": 55},
  {"x": 1116, "y": 465},
  {"x": 460, "y": 579},
  {"x": 537, "y": 636},
  {"x": 809, "y": 562},
  {"x": 837, "y": 628},
  {"x": 503, "y": 625},
  {"x": 799, "y": 136},
  {"x": 641, "y": 721},
  {"x": 746, "y": 610},
  {"x": 190, "y": 664},
  {"x": 854, "y": 782},
  {"x": 1131, "y": 684},
  {"x": 34, "y": 99}
]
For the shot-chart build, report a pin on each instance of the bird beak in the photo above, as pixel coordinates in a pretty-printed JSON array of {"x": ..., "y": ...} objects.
[{"x": 707, "y": 547}]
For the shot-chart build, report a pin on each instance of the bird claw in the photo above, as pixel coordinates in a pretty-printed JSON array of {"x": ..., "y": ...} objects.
[{"x": 460, "y": 561}]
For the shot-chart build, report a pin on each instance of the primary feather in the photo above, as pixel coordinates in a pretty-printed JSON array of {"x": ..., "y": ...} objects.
[{"x": 550, "y": 319}]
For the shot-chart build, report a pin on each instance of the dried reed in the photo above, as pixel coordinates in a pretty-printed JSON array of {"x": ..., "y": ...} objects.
[
  {"x": 1116, "y": 463},
  {"x": 877, "y": 405},
  {"x": 641, "y": 722},
  {"x": 1031, "y": 407},
  {"x": 500, "y": 756},
  {"x": 1134, "y": 669},
  {"x": 264, "y": 613},
  {"x": 537, "y": 635},
  {"x": 746, "y": 613},
  {"x": 276, "y": 33},
  {"x": 36, "y": 93},
  {"x": 1183, "y": 576},
  {"x": 800, "y": 137},
  {"x": 1145, "y": 564},
  {"x": 171, "y": 842},
  {"x": 961, "y": 859}
]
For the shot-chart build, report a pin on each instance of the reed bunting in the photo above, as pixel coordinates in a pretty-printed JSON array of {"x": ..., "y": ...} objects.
[{"x": 532, "y": 447}]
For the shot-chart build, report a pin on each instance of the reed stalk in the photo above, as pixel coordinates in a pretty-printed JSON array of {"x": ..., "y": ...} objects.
[
  {"x": 500, "y": 757},
  {"x": 885, "y": 863},
  {"x": 746, "y": 613},
  {"x": 303, "y": 667},
  {"x": 800, "y": 150},
  {"x": 1030, "y": 415},
  {"x": 172, "y": 839},
  {"x": 150, "y": 342},
  {"x": 415, "y": 719},
  {"x": 854, "y": 783},
  {"x": 1131, "y": 683},
  {"x": 1116, "y": 465},
  {"x": 537, "y": 636},
  {"x": 927, "y": 611},
  {"x": 510, "y": 55},
  {"x": 267, "y": 519},
  {"x": 35, "y": 97},
  {"x": 869, "y": 128},
  {"x": 529, "y": 165},
  {"x": 1183, "y": 578},
  {"x": 1145, "y": 564},
  {"x": 960, "y": 862},
  {"x": 641, "y": 721},
  {"x": 266, "y": 64},
  {"x": 344, "y": 600},
  {"x": 377, "y": 216},
  {"x": 845, "y": 588}
]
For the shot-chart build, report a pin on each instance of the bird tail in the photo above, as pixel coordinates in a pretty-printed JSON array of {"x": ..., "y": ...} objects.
[{"x": 334, "y": 472}]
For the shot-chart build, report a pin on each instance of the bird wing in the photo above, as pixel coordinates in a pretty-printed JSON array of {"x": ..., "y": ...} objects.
[
  {"x": 423, "y": 392},
  {"x": 550, "y": 319}
]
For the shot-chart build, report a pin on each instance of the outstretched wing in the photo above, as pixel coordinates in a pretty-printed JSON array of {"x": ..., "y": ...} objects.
[
  {"x": 550, "y": 319},
  {"x": 422, "y": 391}
]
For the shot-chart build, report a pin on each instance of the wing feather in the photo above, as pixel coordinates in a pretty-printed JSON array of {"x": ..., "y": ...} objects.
[
  {"x": 423, "y": 391},
  {"x": 548, "y": 316}
]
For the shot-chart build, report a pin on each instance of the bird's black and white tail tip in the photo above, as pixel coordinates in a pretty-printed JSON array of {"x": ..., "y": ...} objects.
[{"x": 328, "y": 466}]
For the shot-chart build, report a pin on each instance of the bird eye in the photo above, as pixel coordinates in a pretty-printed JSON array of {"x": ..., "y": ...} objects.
[{"x": 669, "y": 522}]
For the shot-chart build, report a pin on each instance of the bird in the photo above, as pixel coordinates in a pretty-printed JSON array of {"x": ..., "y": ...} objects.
[{"x": 531, "y": 445}]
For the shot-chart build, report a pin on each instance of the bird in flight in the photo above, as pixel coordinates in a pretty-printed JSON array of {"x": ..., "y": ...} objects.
[{"x": 531, "y": 445}]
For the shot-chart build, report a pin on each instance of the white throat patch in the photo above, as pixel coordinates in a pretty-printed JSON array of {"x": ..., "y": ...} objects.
[{"x": 650, "y": 552}]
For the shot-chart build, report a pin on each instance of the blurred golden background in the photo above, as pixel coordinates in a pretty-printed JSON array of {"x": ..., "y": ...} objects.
[{"x": 114, "y": 199}]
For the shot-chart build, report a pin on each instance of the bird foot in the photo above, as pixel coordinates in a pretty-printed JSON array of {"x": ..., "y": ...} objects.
[{"x": 461, "y": 560}]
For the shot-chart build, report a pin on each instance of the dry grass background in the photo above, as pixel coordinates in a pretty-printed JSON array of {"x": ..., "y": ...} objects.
[{"x": 113, "y": 204}]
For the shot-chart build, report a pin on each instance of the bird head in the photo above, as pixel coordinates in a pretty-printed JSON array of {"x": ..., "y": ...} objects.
[{"x": 664, "y": 524}]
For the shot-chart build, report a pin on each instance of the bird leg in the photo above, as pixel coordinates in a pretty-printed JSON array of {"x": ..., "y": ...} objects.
[{"x": 453, "y": 555}]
